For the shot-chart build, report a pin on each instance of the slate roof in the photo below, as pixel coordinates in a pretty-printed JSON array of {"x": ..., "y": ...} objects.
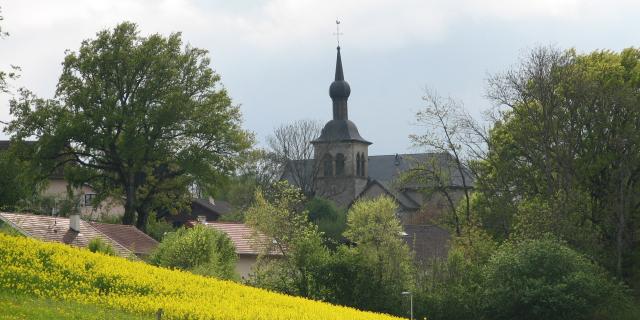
[
  {"x": 403, "y": 199},
  {"x": 219, "y": 207},
  {"x": 56, "y": 229},
  {"x": 242, "y": 237},
  {"x": 387, "y": 168},
  {"x": 339, "y": 130},
  {"x": 427, "y": 241},
  {"x": 128, "y": 236}
]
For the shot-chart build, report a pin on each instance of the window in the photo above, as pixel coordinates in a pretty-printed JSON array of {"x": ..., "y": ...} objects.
[
  {"x": 362, "y": 165},
  {"x": 358, "y": 170},
  {"x": 339, "y": 164},
  {"x": 327, "y": 163},
  {"x": 88, "y": 199}
]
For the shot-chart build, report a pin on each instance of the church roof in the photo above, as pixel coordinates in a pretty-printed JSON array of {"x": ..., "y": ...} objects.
[
  {"x": 340, "y": 131},
  {"x": 387, "y": 168}
]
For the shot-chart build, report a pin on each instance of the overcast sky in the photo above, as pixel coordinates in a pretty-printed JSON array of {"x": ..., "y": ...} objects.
[{"x": 277, "y": 57}]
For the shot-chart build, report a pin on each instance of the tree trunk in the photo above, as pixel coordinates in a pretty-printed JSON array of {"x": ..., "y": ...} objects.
[
  {"x": 130, "y": 202},
  {"x": 143, "y": 217}
]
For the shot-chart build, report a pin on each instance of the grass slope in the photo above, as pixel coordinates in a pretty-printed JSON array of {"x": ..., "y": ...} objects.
[{"x": 21, "y": 307}]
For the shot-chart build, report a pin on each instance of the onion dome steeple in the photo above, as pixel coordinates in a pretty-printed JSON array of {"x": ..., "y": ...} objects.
[
  {"x": 340, "y": 129},
  {"x": 339, "y": 91}
]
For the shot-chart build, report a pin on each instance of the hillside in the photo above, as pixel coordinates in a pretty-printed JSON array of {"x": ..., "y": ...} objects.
[{"x": 50, "y": 270}]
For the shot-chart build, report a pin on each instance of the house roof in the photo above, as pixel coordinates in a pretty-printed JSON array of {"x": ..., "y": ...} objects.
[
  {"x": 427, "y": 241},
  {"x": 404, "y": 200},
  {"x": 242, "y": 237},
  {"x": 56, "y": 229},
  {"x": 218, "y": 206},
  {"x": 128, "y": 236}
]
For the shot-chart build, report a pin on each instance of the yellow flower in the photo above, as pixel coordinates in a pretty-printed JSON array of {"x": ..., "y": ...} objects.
[{"x": 63, "y": 272}]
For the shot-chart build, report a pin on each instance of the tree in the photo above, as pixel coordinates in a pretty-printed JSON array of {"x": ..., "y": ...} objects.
[
  {"x": 544, "y": 279},
  {"x": 141, "y": 118},
  {"x": 280, "y": 216},
  {"x": 330, "y": 220},
  {"x": 451, "y": 132},
  {"x": 200, "y": 249},
  {"x": 17, "y": 180},
  {"x": 3, "y": 74},
  {"x": 384, "y": 258},
  {"x": 566, "y": 144},
  {"x": 256, "y": 170},
  {"x": 291, "y": 146}
]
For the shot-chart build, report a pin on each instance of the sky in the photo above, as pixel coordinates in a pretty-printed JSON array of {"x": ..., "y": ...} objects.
[{"x": 277, "y": 57}]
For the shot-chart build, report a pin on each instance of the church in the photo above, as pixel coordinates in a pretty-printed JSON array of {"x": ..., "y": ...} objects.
[{"x": 343, "y": 171}]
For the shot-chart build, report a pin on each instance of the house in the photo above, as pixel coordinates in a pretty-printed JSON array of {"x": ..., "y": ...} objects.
[
  {"x": 247, "y": 247},
  {"x": 201, "y": 208},
  {"x": 127, "y": 241},
  {"x": 56, "y": 188}
]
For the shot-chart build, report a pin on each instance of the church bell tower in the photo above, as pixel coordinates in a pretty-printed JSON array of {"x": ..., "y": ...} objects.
[{"x": 340, "y": 152}]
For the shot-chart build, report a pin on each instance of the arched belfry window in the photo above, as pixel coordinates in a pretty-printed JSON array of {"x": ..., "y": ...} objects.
[
  {"x": 327, "y": 165},
  {"x": 339, "y": 164},
  {"x": 358, "y": 168}
]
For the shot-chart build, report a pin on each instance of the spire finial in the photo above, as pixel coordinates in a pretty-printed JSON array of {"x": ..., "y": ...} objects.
[{"x": 338, "y": 33}]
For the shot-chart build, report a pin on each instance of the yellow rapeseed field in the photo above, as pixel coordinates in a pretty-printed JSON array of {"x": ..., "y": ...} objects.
[{"x": 58, "y": 271}]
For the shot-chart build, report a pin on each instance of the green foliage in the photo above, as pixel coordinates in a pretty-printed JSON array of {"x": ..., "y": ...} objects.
[
  {"x": 543, "y": 279},
  {"x": 200, "y": 249},
  {"x": 280, "y": 216},
  {"x": 564, "y": 152},
  {"x": 48, "y": 205},
  {"x": 330, "y": 220},
  {"x": 369, "y": 275},
  {"x": 17, "y": 180},
  {"x": 101, "y": 246},
  {"x": 158, "y": 228},
  {"x": 372, "y": 274},
  {"x": 139, "y": 117},
  {"x": 450, "y": 288},
  {"x": 528, "y": 279}
]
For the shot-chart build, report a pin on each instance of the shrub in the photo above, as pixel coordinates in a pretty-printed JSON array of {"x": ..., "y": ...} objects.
[
  {"x": 330, "y": 220},
  {"x": 158, "y": 228},
  {"x": 101, "y": 246},
  {"x": 544, "y": 279},
  {"x": 200, "y": 249}
]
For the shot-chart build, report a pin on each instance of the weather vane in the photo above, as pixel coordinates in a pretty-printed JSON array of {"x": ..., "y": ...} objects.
[{"x": 338, "y": 33}]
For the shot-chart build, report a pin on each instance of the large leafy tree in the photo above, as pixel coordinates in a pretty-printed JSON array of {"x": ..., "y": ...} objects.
[
  {"x": 564, "y": 155},
  {"x": 138, "y": 117}
]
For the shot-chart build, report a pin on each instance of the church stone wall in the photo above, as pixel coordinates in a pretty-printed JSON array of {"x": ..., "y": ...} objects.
[{"x": 342, "y": 189}]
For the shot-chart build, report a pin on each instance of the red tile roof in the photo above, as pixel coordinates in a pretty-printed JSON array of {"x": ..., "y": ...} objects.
[
  {"x": 128, "y": 236},
  {"x": 56, "y": 229},
  {"x": 242, "y": 237}
]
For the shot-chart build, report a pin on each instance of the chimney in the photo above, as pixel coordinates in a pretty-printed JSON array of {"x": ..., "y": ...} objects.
[
  {"x": 212, "y": 201},
  {"x": 202, "y": 219},
  {"x": 74, "y": 222}
]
